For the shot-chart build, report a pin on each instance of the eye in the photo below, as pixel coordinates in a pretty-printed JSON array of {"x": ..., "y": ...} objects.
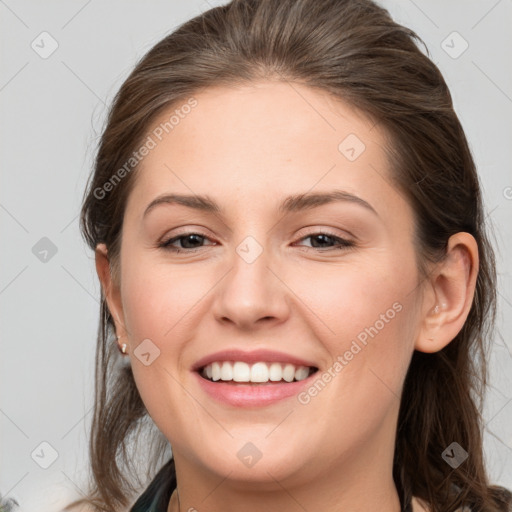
[
  {"x": 321, "y": 239},
  {"x": 189, "y": 242}
]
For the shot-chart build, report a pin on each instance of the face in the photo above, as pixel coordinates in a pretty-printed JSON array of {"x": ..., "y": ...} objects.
[{"x": 260, "y": 280}]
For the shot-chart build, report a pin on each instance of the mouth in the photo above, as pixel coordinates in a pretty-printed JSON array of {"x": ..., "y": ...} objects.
[
  {"x": 258, "y": 373},
  {"x": 258, "y": 378}
]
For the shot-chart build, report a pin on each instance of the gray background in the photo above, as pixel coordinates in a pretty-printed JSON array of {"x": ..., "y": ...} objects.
[{"x": 52, "y": 112}]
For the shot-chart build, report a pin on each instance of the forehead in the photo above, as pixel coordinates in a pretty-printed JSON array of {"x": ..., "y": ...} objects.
[{"x": 260, "y": 142}]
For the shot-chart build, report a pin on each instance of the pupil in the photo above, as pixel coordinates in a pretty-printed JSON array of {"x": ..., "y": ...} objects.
[
  {"x": 187, "y": 238},
  {"x": 324, "y": 237}
]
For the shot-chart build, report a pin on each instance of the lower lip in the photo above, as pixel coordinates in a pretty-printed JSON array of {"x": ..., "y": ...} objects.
[{"x": 239, "y": 394}]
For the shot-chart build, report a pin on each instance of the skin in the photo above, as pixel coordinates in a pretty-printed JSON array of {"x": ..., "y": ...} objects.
[{"x": 248, "y": 148}]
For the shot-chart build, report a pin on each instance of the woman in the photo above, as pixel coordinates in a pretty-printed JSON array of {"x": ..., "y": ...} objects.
[{"x": 289, "y": 235}]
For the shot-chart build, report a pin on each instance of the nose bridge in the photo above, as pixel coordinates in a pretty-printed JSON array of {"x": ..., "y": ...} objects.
[{"x": 250, "y": 291}]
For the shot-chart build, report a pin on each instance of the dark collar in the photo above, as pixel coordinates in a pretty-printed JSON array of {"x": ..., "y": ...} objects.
[{"x": 156, "y": 497}]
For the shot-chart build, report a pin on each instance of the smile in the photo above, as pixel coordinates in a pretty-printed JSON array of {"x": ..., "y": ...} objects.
[
  {"x": 256, "y": 378},
  {"x": 259, "y": 372}
]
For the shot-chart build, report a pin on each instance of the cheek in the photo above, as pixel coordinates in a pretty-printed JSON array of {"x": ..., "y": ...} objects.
[
  {"x": 164, "y": 304},
  {"x": 160, "y": 307},
  {"x": 157, "y": 300},
  {"x": 366, "y": 320},
  {"x": 367, "y": 299},
  {"x": 373, "y": 320}
]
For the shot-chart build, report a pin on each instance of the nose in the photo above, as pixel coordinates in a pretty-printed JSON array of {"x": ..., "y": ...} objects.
[{"x": 252, "y": 294}]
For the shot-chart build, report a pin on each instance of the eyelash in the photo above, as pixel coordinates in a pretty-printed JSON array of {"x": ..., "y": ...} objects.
[{"x": 342, "y": 243}]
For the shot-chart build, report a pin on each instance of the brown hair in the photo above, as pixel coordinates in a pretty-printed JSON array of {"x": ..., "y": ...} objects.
[{"x": 354, "y": 51}]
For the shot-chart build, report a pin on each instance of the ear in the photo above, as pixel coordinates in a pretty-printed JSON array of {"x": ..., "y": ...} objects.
[
  {"x": 451, "y": 288},
  {"x": 111, "y": 290}
]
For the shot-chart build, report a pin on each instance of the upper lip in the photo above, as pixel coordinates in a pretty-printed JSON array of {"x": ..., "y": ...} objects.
[{"x": 253, "y": 356}]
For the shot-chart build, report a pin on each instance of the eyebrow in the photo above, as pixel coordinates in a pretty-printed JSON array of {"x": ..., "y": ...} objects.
[{"x": 293, "y": 203}]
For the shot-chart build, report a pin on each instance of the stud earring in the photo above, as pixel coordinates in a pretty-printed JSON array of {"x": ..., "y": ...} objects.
[{"x": 122, "y": 347}]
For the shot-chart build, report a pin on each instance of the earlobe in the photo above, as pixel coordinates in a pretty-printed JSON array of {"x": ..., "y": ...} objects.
[
  {"x": 453, "y": 284},
  {"x": 110, "y": 289}
]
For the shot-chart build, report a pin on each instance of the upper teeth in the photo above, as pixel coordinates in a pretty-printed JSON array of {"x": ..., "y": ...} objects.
[{"x": 239, "y": 371}]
